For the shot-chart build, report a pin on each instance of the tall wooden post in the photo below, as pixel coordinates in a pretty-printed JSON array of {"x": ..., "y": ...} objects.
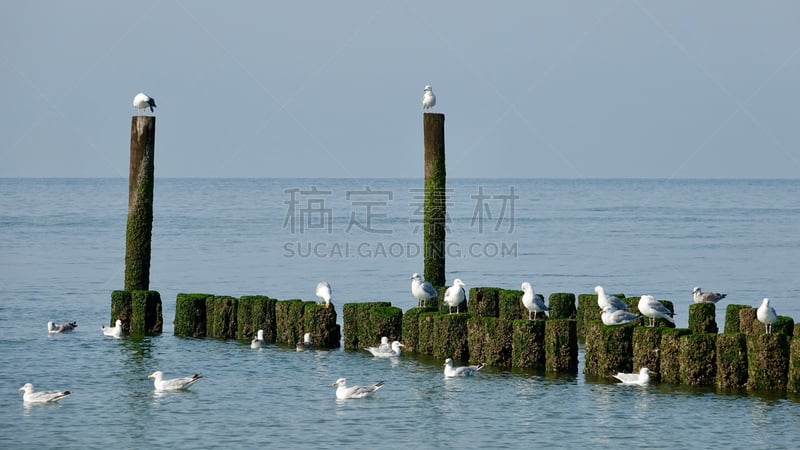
[
  {"x": 435, "y": 198},
  {"x": 140, "y": 203}
]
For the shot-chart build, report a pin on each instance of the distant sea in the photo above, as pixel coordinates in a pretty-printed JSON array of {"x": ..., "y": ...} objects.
[{"x": 62, "y": 253}]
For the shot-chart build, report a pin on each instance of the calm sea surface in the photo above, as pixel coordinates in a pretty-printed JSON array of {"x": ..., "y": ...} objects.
[{"x": 62, "y": 253}]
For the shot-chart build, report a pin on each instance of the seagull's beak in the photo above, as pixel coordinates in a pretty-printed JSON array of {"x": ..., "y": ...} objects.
[
  {"x": 22, "y": 388},
  {"x": 150, "y": 376},
  {"x": 402, "y": 345}
]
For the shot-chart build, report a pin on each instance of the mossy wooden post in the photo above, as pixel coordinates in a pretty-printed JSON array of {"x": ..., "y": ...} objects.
[
  {"x": 703, "y": 318},
  {"x": 608, "y": 349},
  {"x": 793, "y": 379},
  {"x": 289, "y": 321},
  {"x": 435, "y": 202},
  {"x": 511, "y": 308},
  {"x": 698, "y": 359},
  {"x": 731, "y": 360},
  {"x": 647, "y": 350},
  {"x": 670, "y": 357},
  {"x": 256, "y": 312},
  {"x": 122, "y": 309},
  {"x": 427, "y": 332},
  {"x": 528, "y": 346},
  {"x": 732, "y": 318},
  {"x": 411, "y": 328},
  {"x": 490, "y": 340},
  {"x": 767, "y": 361},
  {"x": 561, "y": 346},
  {"x": 363, "y": 328},
  {"x": 483, "y": 302},
  {"x": 450, "y": 337},
  {"x": 321, "y": 323},
  {"x": 190, "y": 315},
  {"x": 221, "y": 317},
  {"x": 146, "y": 313},
  {"x": 140, "y": 203},
  {"x": 588, "y": 311},
  {"x": 562, "y": 306}
]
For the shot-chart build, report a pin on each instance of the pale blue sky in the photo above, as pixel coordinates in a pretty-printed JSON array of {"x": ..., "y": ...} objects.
[{"x": 333, "y": 89}]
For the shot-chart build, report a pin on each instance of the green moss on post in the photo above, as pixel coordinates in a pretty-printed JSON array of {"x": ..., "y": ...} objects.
[
  {"x": 122, "y": 309},
  {"x": 748, "y": 323},
  {"x": 793, "y": 378},
  {"x": 698, "y": 357},
  {"x": 670, "y": 358},
  {"x": 510, "y": 305},
  {"x": 140, "y": 203},
  {"x": 731, "y": 361},
  {"x": 562, "y": 306},
  {"x": 361, "y": 329},
  {"x": 190, "y": 315},
  {"x": 450, "y": 337},
  {"x": 483, "y": 301},
  {"x": 146, "y": 313},
  {"x": 321, "y": 323},
  {"x": 528, "y": 349},
  {"x": 767, "y": 361},
  {"x": 647, "y": 350},
  {"x": 427, "y": 332},
  {"x": 256, "y": 312},
  {"x": 435, "y": 208},
  {"x": 386, "y": 321},
  {"x": 561, "y": 346},
  {"x": 587, "y": 312},
  {"x": 221, "y": 317},
  {"x": 490, "y": 341},
  {"x": 289, "y": 321},
  {"x": 410, "y": 330},
  {"x": 784, "y": 325},
  {"x": 608, "y": 349},
  {"x": 703, "y": 318},
  {"x": 732, "y": 318}
]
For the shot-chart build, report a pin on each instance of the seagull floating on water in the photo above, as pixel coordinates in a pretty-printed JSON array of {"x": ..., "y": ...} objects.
[
  {"x": 604, "y": 300},
  {"x": 639, "y": 379},
  {"x": 173, "y": 384},
  {"x": 343, "y": 392},
  {"x": 41, "y": 397},
  {"x": 422, "y": 290},
  {"x": 257, "y": 341},
  {"x": 380, "y": 352},
  {"x": 534, "y": 303},
  {"x": 706, "y": 297},
  {"x": 305, "y": 344},
  {"x": 461, "y": 371},
  {"x": 142, "y": 102},
  {"x": 115, "y": 331},
  {"x": 653, "y": 309},
  {"x": 53, "y": 328},
  {"x": 324, "y": 292},
  {"x": 428, "y": 99},
  {"x": 455, "y": 295},
  {"x": 613, "y": 316},
  {"x": 766, "y": 314}
]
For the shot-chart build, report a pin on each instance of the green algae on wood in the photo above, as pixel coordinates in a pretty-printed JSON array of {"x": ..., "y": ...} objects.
[
  {"x": 289, "y": 321},
  {"x": 732, "y": 318},
  {"x": 320, "y": 321},
  {"x": 608, "y": 349},
  {"x": 767, "y": 361},
  {"x": 562, "y": 306},
  {"x": 647, "y": 351},
  {"x": 362, "y": 329},
  {"x": 731, "y": 361},
  {"x": 698, "y": 359},
  {"x": 435, "y": 201},
  {"x": 146, "y": 315},
  {"x": 190, "y": 315},
  {"x": 221, "y": 317},
  {"x": 450, "y": 337},
  {"x": 670, "y": 361},
  {"x": 510, "y": 305},
  {"x": 139, "y": 228},
  {"x": 490, "y": 341},
  {"x": 702, "y": 318},
  {"x": 483, "y": 301},
  {"x": 122, "y": 309},
  {"x": 427, "y": 332},
  {"x": 793, "y": 377},
  {"x": 256, "y": 312},
  {"x": 561, "y": 346},
  {"x": 410, "y": 331},
  {"x": 528, "y": 349}
]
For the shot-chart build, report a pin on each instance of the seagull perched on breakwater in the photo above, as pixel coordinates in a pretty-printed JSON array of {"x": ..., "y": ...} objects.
[
  {"x": 428, "y": 99},
  {"x": 654, "y": 309},
  {"x": 142, "y": 102},
  {"x": 324, "y": 292},
  {"x": 766, "y": 314},
  {"x": 604, "y": 300},
  {"x": 343, "y": 392},
  {"x": 461, "y": 371},
  {"x": 640, "y": 379},
  {"x": 613, "y": 316},
  {"x": 455, "y": 295},
  {"x": 423, "y": 290},
  {"x": 534, "y": 303},
  {"x": 706, "y": 297}
]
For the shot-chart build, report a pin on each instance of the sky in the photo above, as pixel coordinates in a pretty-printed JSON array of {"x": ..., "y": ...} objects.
[{"x": 320, "y": 89}]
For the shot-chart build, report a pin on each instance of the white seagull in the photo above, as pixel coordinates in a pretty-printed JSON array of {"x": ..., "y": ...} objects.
[
  {"x": 706, "y": 297},
  {"x": 640, "y": 379},
  {"x": 142, "y": 102},
  {"x": 41, "y": 397},
  {"x": 534, "y": 303},
  {"x": 613, "y": 316},
  {"x": 455, "y": 295},
  {"x": 324, "y": 292},
  {"x": 257, "y": 341},
  {"x": 305, "y": 344},
  {"x": 422, "y": 290},
  {"x": 115, "y": 331},
  {"x": 461, "y": 371},
  {"x": 604, "y": 300},
  {"x": 653, "y": 309},
  {"x": 428, "y": 99},
  {"x": 53, "y": 328},
  {"x": 393, "y": 350},
  {"x": 766, "y": 314},
  {"x": 174, "y": 384},
  {"x": 343, "y": 392}
]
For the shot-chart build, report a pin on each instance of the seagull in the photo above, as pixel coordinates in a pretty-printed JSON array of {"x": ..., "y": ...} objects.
[
  {"x": 455, "y": 295},
  {"x": 533, "y": 303},
  {"x": 142, "y": 102},
  {"x": 379, "y": 352},
  {"x": 174, "y": 384},
  {"x": 53, "y": 328},
  {"x": 706, "y": 297},
  {"x": 41, "y": 397},
  {"x": 653, "y": 309},
  {"x": 343, "y": 392},
  {"x": 324, "y": 292},
  {"x": 305, "y": 344},
  {"x": 428, "y": 99},
  {"x": 115, "y": 331},
  {"x": 603, "y": 300},
  {"x": 423, "y": 290},
  {"x": 640, "y": 379},
  {"x": 257, "y": 341},
  {"x": 766, "y": 314},
  {"x": 462, "y": 371},
  {"x": 613, "y": 316}
]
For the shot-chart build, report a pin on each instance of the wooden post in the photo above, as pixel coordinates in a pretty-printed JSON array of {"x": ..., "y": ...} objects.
[
  {"x": 435, "y": 198},
  {"x": 140, "y": 204}
]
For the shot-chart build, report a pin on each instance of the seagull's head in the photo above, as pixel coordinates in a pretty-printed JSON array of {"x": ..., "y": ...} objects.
[
  {"x": 526, "y": 286},
  {"x": 427, "y": 88},
  {"x": 448, "y": 362},
  {"x": 157, "y": 374},
  {"x": 340, "y": 382},
  {"x": 644, "y": 371},
  {"x": 696, "y": 290},
  {"x": 458, "y": 282},
  {"x": 598, "y": 290},
  {"x": 416, "y": 277},
  {"x": 118, "y": 323},
  {"x": 27, "y": 387}
]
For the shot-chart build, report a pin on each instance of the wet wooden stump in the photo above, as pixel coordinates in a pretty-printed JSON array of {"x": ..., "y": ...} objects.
[
  {"x": 608, "y": 349},
  {"x": 698, "y": 359},
  {"x": 528, "y": 349},
  {"x": 647, "y": 350},
  {"x": 490, "y": 341},
  {"x": 190, "y": 315},
  {"x": 365, "y": 324},
  {"x": 122, "y": 309},
  {"x": 484, "y": 302},
  {"x": 562, "y": 306},
  {"x": 289, "y": 321},
  {"x": 221, "y": 317},
  {"x": 561, "y": 346},
  {"x": 732, "y": 318},
  {"x": 767, "y": 361},
  {"x": 321, "y": 323},
  {"x": 435, "y": 203},
  {"x": 670, "y": 361},
  {"x": 450, "y": 337},
  {"x": 793, "y": 377},
  {"x": 703, "y": 318},
  {"x": 410, "y": 329},
  {"x": 731, "y": 361},
  {"x": 427, "y": 332},
  {"x": 510, "y": 305},
  {"x": 256, "y": 312},
  {"x": 146, "y": 316}
]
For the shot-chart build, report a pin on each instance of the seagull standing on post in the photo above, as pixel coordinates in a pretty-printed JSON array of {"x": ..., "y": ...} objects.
[
  {"x": 428, "y": 99},
  {"x": 142, "y": 102},
  {"x": 423, "y": 290}
]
